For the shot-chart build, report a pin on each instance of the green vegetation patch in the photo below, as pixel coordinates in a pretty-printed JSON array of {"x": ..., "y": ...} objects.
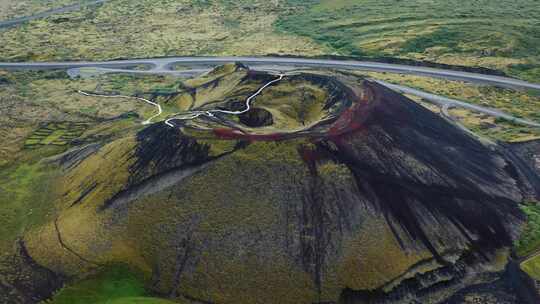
[
  {"x": 527, "y": 71},
  {"x": 530, "y": 237},
  {"x": 126, "y": 84},
  {"x": 25, "y": 199},
  {"x": 500, "y": 129},
  {"x": 442, "y": 37},
  {"x": 117, "y": 284},
  {"x": 532, "y": 267},
  {"x": 311, "y": 23},
  {"x": 119, "y": 29}
]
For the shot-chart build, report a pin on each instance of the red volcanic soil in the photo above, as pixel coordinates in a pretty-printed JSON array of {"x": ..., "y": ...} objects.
[
  {"x": 351, "y": 119},
  {"x": 230, "y": 134}
]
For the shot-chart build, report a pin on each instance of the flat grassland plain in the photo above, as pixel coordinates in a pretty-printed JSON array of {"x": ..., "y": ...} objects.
[
  {"x": 10, "y": 9},
  {"x": 502, "y": 35}
]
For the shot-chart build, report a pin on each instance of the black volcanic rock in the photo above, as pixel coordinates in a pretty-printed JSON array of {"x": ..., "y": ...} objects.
[
  {"x": 257, "y": 117},
  {"x": 416, "y": 167},
  {"x": 529, "y": 153},
  {"x": 161, "y": 148},
  {"x": 25, "y": 281}
]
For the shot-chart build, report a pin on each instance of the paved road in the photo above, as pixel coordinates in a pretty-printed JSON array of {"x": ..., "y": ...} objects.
[
  {"x": 91, "y": 72},
  {"x": 45, "y": 14},
  {"x": 166, "y": 65},
  {"x": 448, "y": 103}
]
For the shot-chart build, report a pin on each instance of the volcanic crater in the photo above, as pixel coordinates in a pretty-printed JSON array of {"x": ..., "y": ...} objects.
[{"x": 331, "y": 189}]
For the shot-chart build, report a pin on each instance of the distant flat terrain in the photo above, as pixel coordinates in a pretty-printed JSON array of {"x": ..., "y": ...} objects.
[
  {"x": 499, "y": 35},
  {"x": 10, "y": 9}
]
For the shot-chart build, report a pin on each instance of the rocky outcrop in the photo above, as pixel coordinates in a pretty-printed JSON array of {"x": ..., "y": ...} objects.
[
  {"x": 529, "y": 153},
  {"x": 257, "y": 118},
  {"x": 23, "y": 281},
  {"x": 414, "y": 165}
]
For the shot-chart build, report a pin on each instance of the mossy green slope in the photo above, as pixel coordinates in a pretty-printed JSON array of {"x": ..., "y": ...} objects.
[
  {"x": 530, "y": 239},
  {"x": 221, "y": 237},
  {"x": 150, "y": 232},
  {"x": 116, "y": 284}
]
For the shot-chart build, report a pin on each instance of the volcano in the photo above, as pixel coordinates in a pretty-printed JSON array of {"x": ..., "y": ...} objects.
[{"x": 333, "y": 189}]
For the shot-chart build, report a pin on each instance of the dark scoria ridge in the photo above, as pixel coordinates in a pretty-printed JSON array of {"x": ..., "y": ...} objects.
[
  {"x": 410, "y": 163},
  {"x": 427, "y": 176}
]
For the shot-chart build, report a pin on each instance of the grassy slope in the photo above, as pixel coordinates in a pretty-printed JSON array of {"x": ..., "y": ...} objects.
[
  {"x": 115, "y": 285},
  {"x": 35, "y": 103},
  {"x": 529, "y": 243},
  {"x": 156, "y": 223},
  {"x": 23, "y": 199},
  {"x": 530, "y": 238},
  {"x": 147, "y": 235},
  {"x": 532, "y": 267},
  {"x": 501, "y": 34}
]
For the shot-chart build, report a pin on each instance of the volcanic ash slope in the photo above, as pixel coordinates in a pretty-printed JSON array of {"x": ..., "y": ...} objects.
[{"x": 387, "y": 203}]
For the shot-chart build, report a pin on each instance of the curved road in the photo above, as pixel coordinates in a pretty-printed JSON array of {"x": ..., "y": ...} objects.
[
  {"x": 45, "y": 14},
  {"x": 166, "y": 65}
]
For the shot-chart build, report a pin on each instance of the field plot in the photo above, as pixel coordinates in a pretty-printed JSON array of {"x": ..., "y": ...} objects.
[
  {"x": 529, "y": 243},
  {"x": 58, "y": 134}
]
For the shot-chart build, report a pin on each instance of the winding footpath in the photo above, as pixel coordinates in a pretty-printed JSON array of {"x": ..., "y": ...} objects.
[
  {"x": 168, "y": 65},
  {"x": 148, "y": 121},
  {"x": 211, "y": 113},
  {"x": 189, "y": 115}
]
